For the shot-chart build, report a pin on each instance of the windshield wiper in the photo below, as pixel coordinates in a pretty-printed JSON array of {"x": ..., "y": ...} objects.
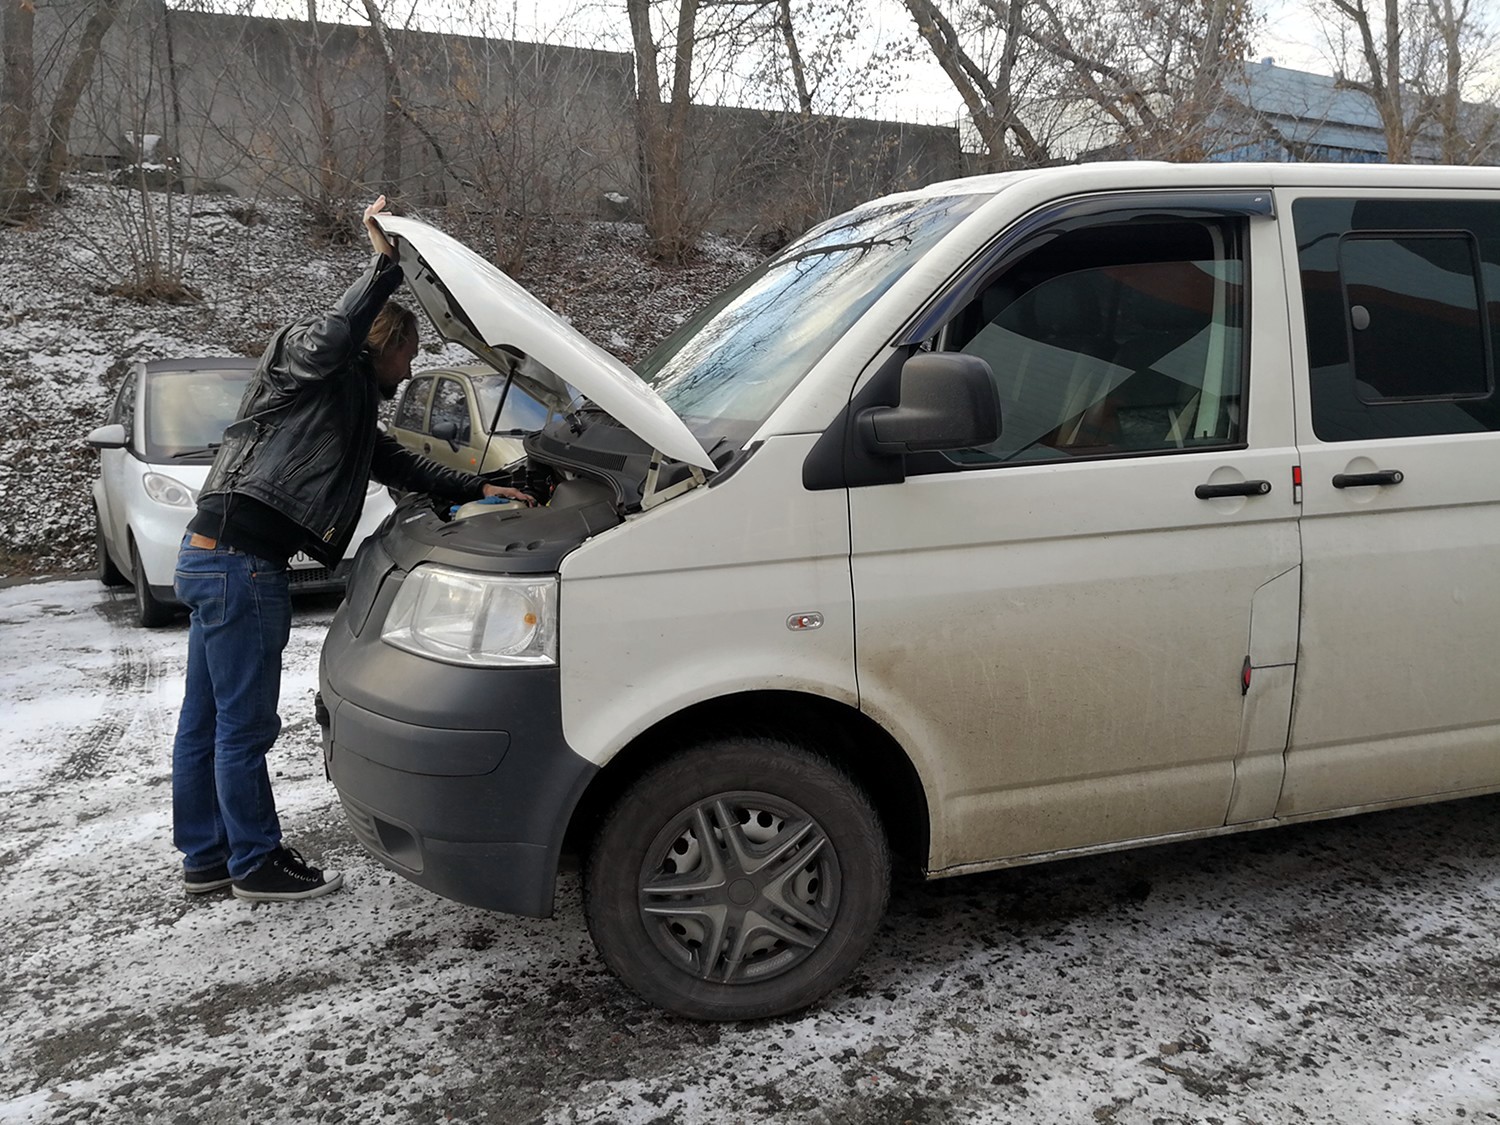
[{"x": 209, "y": 448}]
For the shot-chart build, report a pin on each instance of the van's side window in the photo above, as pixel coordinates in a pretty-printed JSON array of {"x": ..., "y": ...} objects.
[
  {"x": 1400, "y": 302},
  {"x": 1113, "y": 339}
]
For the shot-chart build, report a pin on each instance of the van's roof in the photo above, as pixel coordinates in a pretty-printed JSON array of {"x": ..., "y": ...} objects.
[{"x": 1127, "y": 174}]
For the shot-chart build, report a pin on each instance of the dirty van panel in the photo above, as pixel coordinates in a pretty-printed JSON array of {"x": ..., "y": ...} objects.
[
  {"x": 1056, "y": 624},
  {"x": 1077, "y": 686},
  {"x": 1401, "y": 519},
  {"x": 704, "y": 605}
]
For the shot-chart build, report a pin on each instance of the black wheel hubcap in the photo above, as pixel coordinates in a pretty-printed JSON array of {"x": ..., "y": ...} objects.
[{"x": 739, "y": 888}]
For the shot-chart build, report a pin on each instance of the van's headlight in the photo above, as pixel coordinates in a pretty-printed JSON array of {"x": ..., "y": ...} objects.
[{"x": 464, "y": 618}]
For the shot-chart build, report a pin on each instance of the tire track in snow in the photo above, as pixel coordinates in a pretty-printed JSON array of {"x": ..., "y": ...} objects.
[{"x": 132, "y": 677}]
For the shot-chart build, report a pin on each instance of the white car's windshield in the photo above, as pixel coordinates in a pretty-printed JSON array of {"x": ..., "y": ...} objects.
[
  {"x": 729, "y": 366},
  {"x": 186, "y": 411}
]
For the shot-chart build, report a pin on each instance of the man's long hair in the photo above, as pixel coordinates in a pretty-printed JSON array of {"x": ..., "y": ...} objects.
[{"x": 395, "y": 324}]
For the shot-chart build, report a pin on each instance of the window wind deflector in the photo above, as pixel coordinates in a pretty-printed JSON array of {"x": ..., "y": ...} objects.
[{"x": 1023, "y": 236}]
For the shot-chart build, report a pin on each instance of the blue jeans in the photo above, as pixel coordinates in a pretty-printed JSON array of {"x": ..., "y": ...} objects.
[{"x": 222, "y": 808}]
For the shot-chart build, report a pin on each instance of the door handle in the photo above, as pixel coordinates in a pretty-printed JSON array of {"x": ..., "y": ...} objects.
[
  {"x": 1237, "y": 488},
  {"x": 1359, "y": 480},
  {"x": 427, "y": 447}
]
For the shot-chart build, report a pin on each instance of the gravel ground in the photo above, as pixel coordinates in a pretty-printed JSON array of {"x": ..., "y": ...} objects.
[{"x": 1346, "y": 971}]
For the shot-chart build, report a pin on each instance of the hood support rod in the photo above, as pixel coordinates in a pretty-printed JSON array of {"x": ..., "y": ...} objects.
[{"x": 650, "y": 497}]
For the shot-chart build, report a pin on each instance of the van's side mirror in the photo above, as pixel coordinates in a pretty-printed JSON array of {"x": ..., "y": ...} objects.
[
  {"x": 447, "y": 431},
  {"x": 948, "y": 401},
  {"x": 111, "y": 436}
]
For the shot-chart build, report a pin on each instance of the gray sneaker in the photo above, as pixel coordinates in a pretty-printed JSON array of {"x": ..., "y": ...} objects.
[{"x": 285, "y": 877}]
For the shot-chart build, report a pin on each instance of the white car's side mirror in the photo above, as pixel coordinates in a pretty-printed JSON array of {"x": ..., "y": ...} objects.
[{"x": 111, "y": 436}]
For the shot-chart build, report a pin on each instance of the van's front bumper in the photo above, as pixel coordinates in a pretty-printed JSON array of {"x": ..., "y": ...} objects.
[{"x": 458, "y": 778}]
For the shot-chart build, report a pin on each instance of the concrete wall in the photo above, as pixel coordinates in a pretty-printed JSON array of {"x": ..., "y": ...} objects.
[
  {"x": 776, "y": 171},
  {"x": 527, "y": 124},
  {"x": 528, "y": 129}
]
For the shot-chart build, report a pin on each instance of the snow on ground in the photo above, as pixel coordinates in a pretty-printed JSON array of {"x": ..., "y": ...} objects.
[
  {"x": 1346, "y": 971},
  {"x": 66, "y": 341}
]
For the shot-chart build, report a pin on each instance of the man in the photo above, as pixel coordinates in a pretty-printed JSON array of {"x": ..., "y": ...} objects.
[{"x": 290, "y": 476}]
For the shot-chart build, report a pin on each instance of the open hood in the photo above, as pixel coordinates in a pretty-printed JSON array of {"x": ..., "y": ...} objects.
[{"x": 473, "y": 303}]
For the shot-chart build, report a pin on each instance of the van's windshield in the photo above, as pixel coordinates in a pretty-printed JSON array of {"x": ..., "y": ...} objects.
[{"x": 731, "y": 364}]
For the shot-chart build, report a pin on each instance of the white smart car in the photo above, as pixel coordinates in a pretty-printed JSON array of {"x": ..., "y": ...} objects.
[{"x": 154, "y": 452}]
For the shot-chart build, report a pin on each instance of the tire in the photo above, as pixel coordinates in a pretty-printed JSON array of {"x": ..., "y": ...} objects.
[
  {"x": 104, "y": 566},
  {"x": 799, "y": 921},
  {"x": 149, "y": 612}
]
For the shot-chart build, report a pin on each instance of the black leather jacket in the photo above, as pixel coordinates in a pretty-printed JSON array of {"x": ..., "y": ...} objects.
[{"x": 305, "y": 440}]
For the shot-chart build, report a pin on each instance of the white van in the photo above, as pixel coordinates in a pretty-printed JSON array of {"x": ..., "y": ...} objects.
[{"x": 1018, "y": 517}]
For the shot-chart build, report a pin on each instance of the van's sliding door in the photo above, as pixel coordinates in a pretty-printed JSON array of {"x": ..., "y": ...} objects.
[{"x": 1399, "y": 428}]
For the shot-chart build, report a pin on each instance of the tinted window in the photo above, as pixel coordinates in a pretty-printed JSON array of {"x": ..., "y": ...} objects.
[
  {"x": 1141, "y": 350},
  {"x": 1414, "y": 314},
  {"x": 733, "y": 362},
  {"x": 451, "y": 405},
  {"x": 1400, "y": 302},
  {"x": 186, "y": 411},
  {"x": 412, "y": 412}
]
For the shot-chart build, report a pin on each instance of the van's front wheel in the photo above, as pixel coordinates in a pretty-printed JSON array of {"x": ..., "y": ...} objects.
[{"x": 740, "y": 879}]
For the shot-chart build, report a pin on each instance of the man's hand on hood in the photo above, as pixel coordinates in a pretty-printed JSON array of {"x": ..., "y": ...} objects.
[{"x": 378, "y": 239}]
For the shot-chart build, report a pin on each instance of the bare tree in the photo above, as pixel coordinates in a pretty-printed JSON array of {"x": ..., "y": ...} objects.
[
  {"x": 391, "y": 133},
  {"x": 17, "y": 102},
  {"x": 1463, "y": 42},
  {"x": 795, "y": 64},
  {"x": 54, "y": 159},
  {"x": 1422, "y": 64},
  {"x": 671, "y": 221},
  {"x": 801, "y": 52},
  {"x": 1043, "y": 79},
  {"x": 329, "y": 191},
  {"x": 707, "y": 36},
  {"x": 1156, "y": 73},
  {"x": 540, "y": 133},
  {"x": 812, "y": 154},
  {"x": 1383, "y": 58},
  {"x": 985, "y": 77}
]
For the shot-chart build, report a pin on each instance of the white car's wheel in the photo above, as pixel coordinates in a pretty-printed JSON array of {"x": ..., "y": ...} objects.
[{"x": 150, "y": 612}]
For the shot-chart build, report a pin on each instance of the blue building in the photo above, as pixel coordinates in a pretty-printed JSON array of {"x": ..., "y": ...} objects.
[{"x": 1293, "y": 115}]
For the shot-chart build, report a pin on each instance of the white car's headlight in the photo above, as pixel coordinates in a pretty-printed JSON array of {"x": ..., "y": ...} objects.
[
  {"x": 464, "y": 618},
  {"x": 165, "y": 490}
]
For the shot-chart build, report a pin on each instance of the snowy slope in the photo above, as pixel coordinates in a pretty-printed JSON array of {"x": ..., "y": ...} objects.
[{"x": 65, "y": 340}]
